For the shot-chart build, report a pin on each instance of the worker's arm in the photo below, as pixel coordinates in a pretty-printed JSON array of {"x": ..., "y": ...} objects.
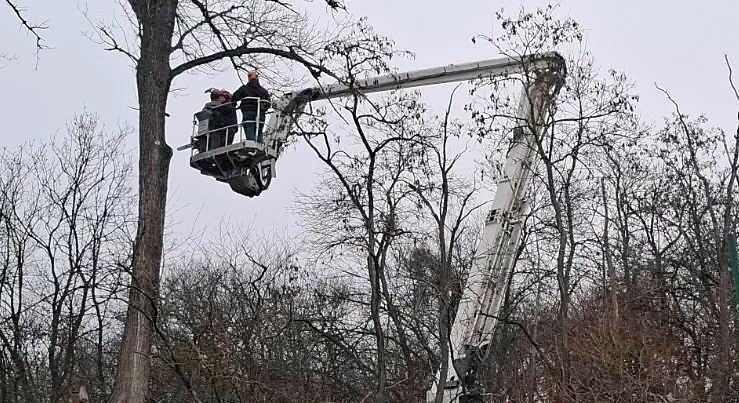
[{"x": 263, "y": 93}]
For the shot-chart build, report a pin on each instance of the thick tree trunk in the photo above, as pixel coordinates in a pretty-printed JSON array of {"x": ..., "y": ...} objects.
[
  {"x": 611, "y": 283},
  {"x": 444, "y": 311},
  {"x": 153, "y": 81},
  {"x": 722, "y": 366},
  {"x": 380, "y": 375}
]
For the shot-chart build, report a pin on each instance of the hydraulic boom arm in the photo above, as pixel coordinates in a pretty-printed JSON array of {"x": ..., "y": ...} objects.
[
  {"x": 481, "y": 300},
  {"x": 291, "y": 105},
  {"x": 477, "y": 313}
]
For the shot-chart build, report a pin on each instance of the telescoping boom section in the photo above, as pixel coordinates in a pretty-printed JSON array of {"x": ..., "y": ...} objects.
[{"x": 482, "y": 298}]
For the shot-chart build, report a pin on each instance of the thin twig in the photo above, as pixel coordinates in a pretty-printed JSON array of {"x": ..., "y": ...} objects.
[
  {"x": 731, "y": 81},
  {"x": 33, "y": 29}
]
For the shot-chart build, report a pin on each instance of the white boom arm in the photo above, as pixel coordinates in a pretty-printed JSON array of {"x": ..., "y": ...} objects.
[
  {"x": 481, "y": 302},
  {"x": 482, "y": 298},
  {"x": 289, "y": 106}
]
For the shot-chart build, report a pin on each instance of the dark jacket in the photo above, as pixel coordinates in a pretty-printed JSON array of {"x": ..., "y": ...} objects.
[
  {"x": 251, "y": 90},
  {"x": 228, "y": 114},
  {"x": 222, "y": 114},
  {"x": 221, "y": 123}
]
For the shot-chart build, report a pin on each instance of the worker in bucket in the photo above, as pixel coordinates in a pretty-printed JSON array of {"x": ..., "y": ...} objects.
[
  {"x": 229, "y": 121},
  {"x": 254, "y": 104},
  {"x": 222, "y": 123}
]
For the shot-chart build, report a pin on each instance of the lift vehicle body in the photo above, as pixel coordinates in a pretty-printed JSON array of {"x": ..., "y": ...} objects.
[{"x": 249, "y": 166}]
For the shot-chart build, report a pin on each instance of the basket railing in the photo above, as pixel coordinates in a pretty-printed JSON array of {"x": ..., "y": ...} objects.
[{"x": 206, "y": 138}]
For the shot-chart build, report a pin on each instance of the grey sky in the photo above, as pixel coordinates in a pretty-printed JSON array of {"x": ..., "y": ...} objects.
[{"x": 677, "y": 43}]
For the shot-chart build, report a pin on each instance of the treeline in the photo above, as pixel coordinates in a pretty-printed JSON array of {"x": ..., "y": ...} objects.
[
  {"x": 66, "y": 215},
  {"x": 621, "y": 290}
]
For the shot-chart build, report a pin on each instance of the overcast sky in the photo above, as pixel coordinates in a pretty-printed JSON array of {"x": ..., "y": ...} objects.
[{"x": 678, "y": 44}]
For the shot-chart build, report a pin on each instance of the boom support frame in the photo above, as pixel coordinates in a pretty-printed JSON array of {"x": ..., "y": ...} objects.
[{"x": 482, "y": 299}]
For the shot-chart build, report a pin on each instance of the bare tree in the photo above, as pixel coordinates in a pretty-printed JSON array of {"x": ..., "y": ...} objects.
[
  {"x": 67, "y": 215},
  {"x": 173, "y": 37},
  {"x": 449, "y": 201},
  {"x": 16, "y": 370},
  {"x": 643, "y": 219},
  {"x": 361, "y": 212},
  {"x": 704, "y": 163},
  {"x": 584, "y": 119}
]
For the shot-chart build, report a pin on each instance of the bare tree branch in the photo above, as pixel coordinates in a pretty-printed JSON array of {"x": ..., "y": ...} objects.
[
  {"x": 731, "y": 80},
  {"x": 33, "y": 29},
  {"x": 314, "y": 68}
]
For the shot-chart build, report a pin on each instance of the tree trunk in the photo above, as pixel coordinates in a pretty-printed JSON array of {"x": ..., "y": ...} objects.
[
  {"x": 153, "y": 80},
  {"x": 380, "y": 375},
  {"x": 611, "y": 285},
  {"x": 722, "y": 364},
  {"x": 444, "y": 316}
]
